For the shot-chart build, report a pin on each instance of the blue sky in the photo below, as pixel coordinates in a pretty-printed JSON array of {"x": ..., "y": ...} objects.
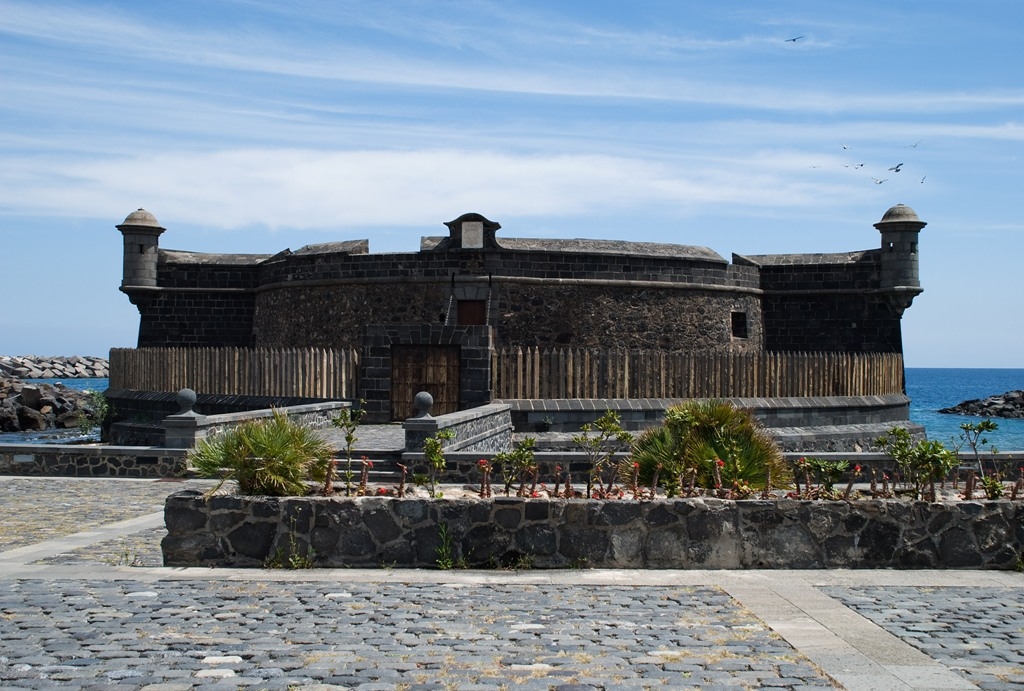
[{"x": 252, "y": 126}]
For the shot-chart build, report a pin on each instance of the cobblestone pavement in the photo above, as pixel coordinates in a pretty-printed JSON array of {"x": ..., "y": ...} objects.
[
  {"x": 977, "y": 631},
  {"x": 386, "y": 636},
  {"x": 33, "y": 509},
  {"x": 94, "y": 610}
]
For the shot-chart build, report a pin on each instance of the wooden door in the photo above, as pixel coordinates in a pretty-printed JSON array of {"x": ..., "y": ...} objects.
[{"x": 430, "y": 368}]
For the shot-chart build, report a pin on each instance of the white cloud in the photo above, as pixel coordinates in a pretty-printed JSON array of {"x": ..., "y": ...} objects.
[
  {"x": 287, "y": 188},
  {"x": 598, "y": 63}
]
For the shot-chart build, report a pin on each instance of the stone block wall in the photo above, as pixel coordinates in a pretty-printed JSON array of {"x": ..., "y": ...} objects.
[
  {"x": 676, "y": 534},
  {"x": 139, "y": 415},
  {"x": 524, "y": 314},
  {"x": 91, "y": 461},
  {"x": 335, "y": 315},
  {"x": 829, "y": 302},
  {"x": 626, "y": 315},
  {"x": 195, "y": 318},
  {"x": 184, "y": 431},
  {"x": 831, "y": 323},
  {"x": 484, "y": 429}
]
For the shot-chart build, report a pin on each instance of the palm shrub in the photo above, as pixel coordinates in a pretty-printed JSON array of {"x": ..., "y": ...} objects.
[
  {"x": 656, "y": 451},
  {"x": 699, "y": 435},
  {"x": 273, "y": 457}
]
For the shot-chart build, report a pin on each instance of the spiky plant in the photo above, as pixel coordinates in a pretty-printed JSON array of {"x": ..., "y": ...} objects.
[
  {"x": 707, "y": 431},
  {"x": 272, "y": 457},
  {"x": 654, "y": 447}
]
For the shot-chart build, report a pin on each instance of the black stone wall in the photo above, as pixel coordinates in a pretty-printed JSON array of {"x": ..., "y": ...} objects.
[
  {"x": 195, "y": 319},
  {"x": 562, "y": 533},
  {"x": 533, "y": 298},
  {"x": 834, "y": 307}
]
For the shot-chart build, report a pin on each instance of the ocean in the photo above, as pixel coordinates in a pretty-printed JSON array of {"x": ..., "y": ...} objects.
[
  {"x": 932, "y": 388},
  {"x": 929, "y": 389}
]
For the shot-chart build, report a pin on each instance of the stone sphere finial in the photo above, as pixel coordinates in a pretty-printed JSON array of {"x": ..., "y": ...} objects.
[
  {"x": 186, "y": 399},
  {"x": 423, "y": 401}
]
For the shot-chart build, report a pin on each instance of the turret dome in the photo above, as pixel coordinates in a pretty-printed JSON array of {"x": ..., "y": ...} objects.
[
  {"x": 898, "y": 213},
  {"x": 141, "y": 218}
]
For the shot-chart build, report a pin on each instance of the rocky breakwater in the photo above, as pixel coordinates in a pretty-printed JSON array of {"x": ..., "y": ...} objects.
[
  {"x": 1007, "y": 405},
  {"x": 29, "y": 407},
  {"x": 35, "y": 367}
]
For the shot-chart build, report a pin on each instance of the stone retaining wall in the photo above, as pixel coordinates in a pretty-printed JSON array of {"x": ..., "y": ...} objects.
[
  {"x": 91, "y": 461},
  {"x": 184, "y": 430},
  {"x": 486, "y": 429},
  {"x": 543, "y": 533}
]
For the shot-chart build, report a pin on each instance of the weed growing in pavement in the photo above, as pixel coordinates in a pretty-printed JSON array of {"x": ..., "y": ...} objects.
[
  {"x": 126, "y": 556},
  {"x": 445, "y": 548},
  {"x": 293, "y": 558}
]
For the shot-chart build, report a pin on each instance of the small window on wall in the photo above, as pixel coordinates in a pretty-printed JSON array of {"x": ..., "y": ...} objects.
[
  {"x": 472, "y": 312},
  {"x": 739, "y": 324}
]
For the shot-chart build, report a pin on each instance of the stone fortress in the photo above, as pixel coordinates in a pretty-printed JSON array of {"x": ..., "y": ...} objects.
[{"x": 447, "y": 307}]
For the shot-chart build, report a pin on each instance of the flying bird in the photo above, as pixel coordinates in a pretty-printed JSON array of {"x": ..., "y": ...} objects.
[
  {"x": 794, "y": 39},
  {"x": 859, "y": 165},
  {"x": 922, "y": 179},
  {"x": 914, "y": 145},
  {"x": 897, "y": 167},
  {"x": 879, "y": 182}
]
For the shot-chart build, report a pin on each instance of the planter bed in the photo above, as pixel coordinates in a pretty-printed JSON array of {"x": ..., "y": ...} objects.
[{"x": 704, "y": 533}]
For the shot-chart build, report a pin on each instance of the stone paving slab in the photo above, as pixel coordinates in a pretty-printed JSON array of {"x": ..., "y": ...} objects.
[{"x": 977, "y": 631}]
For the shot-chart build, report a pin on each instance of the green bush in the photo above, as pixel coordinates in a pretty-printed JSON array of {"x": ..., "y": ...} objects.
[
  {"x": 922, "y": 463},
  {"x": 699, "y": 435},
  {"x": 274, "y": 457}
]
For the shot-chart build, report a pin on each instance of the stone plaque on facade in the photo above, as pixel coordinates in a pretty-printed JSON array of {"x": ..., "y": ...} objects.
[{"x": 473, "y": 235}]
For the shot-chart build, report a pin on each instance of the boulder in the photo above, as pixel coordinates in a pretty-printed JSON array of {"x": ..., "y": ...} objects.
[
  {"x": 31, "y": 397},
  {"x": 1007, "y": 405},
  {"x": 30, "y": 419},
  {"x": 9, "y": 418}
]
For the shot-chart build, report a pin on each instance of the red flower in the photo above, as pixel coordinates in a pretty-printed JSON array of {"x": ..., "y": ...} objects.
[
  {"x": 482, "y": 462},
  {"x": 856, "y": 468},
  {"x": 719, "y": 462}
]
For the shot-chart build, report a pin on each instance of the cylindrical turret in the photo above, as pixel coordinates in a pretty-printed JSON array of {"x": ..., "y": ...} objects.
[
  {"x": 900, "y": 228},
  {"x": 141, "y": 233}
]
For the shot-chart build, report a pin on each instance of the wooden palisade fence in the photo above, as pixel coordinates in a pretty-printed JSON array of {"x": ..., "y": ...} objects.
[
  {"x": 520, "y": 373},
  {"x": 546, "y": 373},
  {"x": 294, "y": 372}
]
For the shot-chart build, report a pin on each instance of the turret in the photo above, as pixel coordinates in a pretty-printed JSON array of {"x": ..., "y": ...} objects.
[
  {"x": 900, "y": 228},
  {"x": 141, "y": 233}
]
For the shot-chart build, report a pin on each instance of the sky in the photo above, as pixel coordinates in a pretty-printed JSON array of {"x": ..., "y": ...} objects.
[{"x": 252, "y": 126}]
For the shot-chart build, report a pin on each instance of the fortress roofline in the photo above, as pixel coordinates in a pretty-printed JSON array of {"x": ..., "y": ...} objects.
[
  {"x": 597, "y": 246},
  {"x": 819, "y": 259},
  {"x": 185, "y": 257}
]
